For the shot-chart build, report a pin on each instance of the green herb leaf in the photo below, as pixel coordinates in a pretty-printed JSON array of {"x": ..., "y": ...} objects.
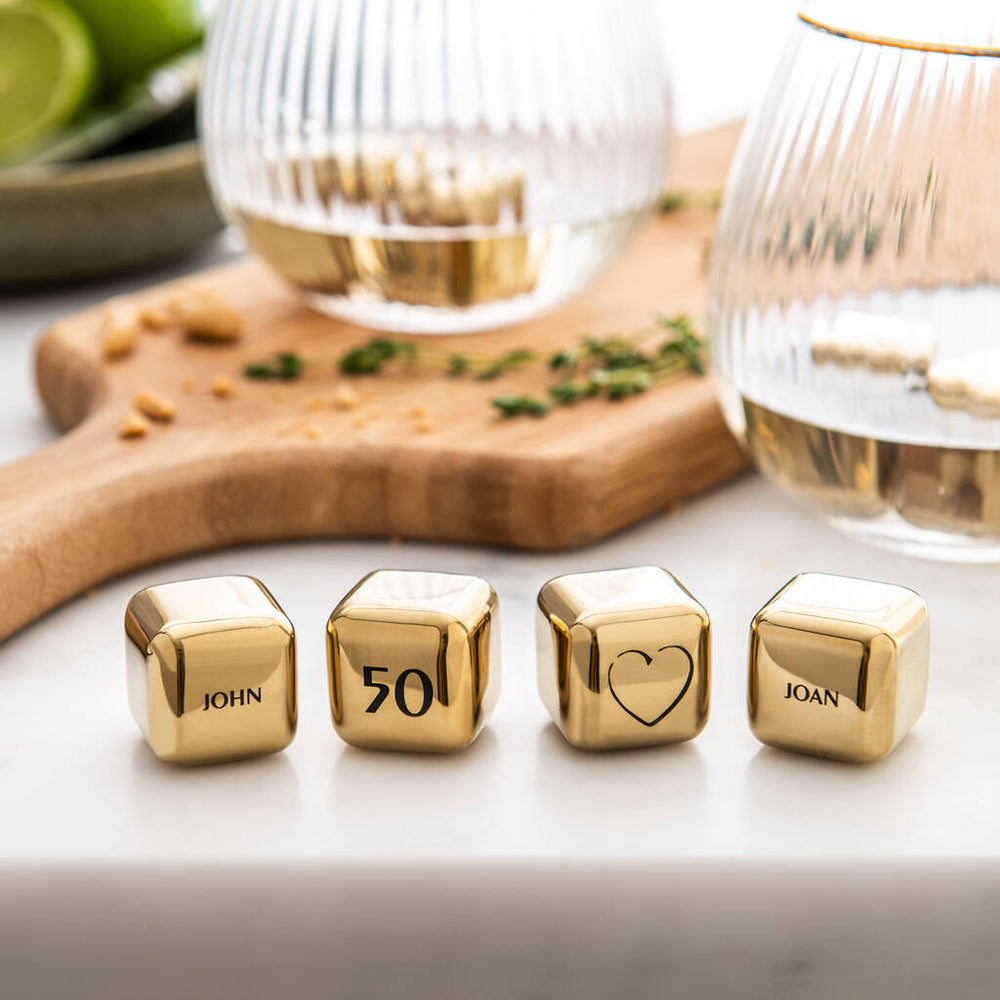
[
  {"x": 513, "y": 405},
  {"x": 287, "y": 366}
]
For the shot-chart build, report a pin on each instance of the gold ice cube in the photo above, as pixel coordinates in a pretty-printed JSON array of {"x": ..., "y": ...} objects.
[
  {"x": 414, "y": 661},
  {"x": 211, "y": 669},
  {"x": 838, "y": 667},
  {"x": 624, "y": 658}
]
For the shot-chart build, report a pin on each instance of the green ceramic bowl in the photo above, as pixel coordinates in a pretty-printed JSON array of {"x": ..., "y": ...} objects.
[{"x": 102, "y": 217}]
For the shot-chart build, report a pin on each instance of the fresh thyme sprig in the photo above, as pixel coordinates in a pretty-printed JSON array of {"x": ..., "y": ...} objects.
[
  {"x": 287, "y": 366},
  {"x": 614, "y": 367},
  {"x": 370, "y": 358},
  {"x": 618, "y": 367},
  {"x": 374, "y": 357},
  {"x": 510, "y": 404}
]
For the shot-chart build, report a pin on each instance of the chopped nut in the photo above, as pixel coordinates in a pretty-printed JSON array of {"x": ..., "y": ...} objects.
[
  {"x": 345, "y": 398},
  {"x": 222, "y": 386},
  {"x": 154, "y": 317},
  {"x": 360, "y": 422},
  {"x": 205, "y": 315},
  {"x": 134, "y": 426},
  {"x": 151, "y": 404},
  {"x": 417, "y": 412},
  {"x": 312, "y": 432},
  {"x": 424, "y": 427},
  {"x": 118, "y": 332}
]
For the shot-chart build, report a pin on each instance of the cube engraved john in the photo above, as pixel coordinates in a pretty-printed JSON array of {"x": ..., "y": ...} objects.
[
  {"x": 838, "y": 667},
  {"x": 414, "y": 661},
  {"x": 211, "y": 669},
  {"x": 623, "y": 658}
]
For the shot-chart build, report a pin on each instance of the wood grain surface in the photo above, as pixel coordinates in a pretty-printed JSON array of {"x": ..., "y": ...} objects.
[{"x": 256, "y": 467}]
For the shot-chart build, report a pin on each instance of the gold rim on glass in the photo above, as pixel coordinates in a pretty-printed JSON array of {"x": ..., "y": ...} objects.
[{"x": 899, "y": 43}]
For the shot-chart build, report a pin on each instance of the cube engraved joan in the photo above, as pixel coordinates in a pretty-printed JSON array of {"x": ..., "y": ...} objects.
[
  {"x": 211, "y": 669},
  {"x": 414, "y": 661},
  {"x": 624, "y": 658},
  {"x": 838, "y": 667}
]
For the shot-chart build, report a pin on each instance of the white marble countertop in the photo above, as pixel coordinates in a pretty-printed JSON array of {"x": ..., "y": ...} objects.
[
  {"x": 521, "y": 867},
  {"x": 521, "y": 837}
]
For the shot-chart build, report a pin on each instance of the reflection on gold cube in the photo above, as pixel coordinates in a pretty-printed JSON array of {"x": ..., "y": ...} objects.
[
  {"x": 838, "y": 667},
  {"x": 414, "y": 661},
  {"x": 211, "y": 669},
  {"x": 623, "y": 658}
]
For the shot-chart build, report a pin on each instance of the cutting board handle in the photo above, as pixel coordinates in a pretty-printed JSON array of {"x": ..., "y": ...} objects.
[
  {"x": 79, "y": 512},
  {"x": 58, "y": 536}
]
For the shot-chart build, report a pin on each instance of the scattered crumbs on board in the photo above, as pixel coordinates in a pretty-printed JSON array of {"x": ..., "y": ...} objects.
[
  {"x": 154, "y": 405},
  {"x": 222, "y": 387},
  {"x": 134, "y": 426}
]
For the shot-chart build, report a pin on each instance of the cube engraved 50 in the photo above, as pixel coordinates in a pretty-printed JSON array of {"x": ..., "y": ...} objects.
[
  {"x": 624, "y": 658},
  {"x": 838, "y": 667},
  {"x": 211, "y": 669},
  {"x": 414, "y": 661}
]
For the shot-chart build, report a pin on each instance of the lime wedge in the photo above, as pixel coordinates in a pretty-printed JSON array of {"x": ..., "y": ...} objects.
[
  {"x": 133, "y": 36},
  {"x": 48, "y": 70}
]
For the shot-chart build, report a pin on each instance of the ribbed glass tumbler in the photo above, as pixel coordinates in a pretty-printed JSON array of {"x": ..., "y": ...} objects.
[
  {"x": 436, "y": 165},
  {"x": 855, "y": 289}
]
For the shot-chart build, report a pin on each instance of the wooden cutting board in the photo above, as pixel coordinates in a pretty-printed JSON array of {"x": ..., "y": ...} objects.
[{"x": 255, "y": 467}]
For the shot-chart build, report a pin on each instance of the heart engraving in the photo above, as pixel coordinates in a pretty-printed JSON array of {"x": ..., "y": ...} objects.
[{"x": 651, "y": 687}]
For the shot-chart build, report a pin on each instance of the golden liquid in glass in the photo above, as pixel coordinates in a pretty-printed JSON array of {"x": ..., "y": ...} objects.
[
  {"x": 943, "y": 489},
  {"x": 448, "y": 272}
]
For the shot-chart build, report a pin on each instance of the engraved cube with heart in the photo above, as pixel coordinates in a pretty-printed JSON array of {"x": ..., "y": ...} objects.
[{"x": 624, "y": 658}]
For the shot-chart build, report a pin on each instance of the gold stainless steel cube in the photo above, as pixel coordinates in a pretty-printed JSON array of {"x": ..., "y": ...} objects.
[
  {"x": 624, "y": 658},
  {"x": 211, "y": 669},
  {"x": 414, "y": 661},
  {"x": 838, "y": 667}
]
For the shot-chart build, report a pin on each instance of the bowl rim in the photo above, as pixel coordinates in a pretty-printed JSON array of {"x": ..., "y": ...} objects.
[{"x": 144, "y": 162}]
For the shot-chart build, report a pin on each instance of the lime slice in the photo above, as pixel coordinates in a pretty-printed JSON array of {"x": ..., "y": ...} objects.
[
  {"x": 48, "y": 70},
  {"x": 133, "y": 36}
]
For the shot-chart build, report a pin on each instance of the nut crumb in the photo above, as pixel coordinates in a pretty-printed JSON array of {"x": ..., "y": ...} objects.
[
  {"x": 222, "y": 386},
  {"x": 152, "y": 404},
  {"x": 345, "y": 398},
  {"x": 417, "y": 412},
  {"x": 312, "y": 432},
  {"x": 360, "y": 422},
  {"x": 206, "y": 316},
  {"x": 188, "y": 384},
  {"x": 154, "y": 317},
  {"x": 424, "y": 427},
  {"x": 135, "y": 426},
  {"x": 118, "y": 332},
  {"x": 315, "y": 403}
]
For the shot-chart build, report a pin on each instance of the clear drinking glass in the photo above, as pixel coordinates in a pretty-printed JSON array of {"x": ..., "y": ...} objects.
[
  {"x": 854, "y": 301},
  {"x": 436, "y": 165}
]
